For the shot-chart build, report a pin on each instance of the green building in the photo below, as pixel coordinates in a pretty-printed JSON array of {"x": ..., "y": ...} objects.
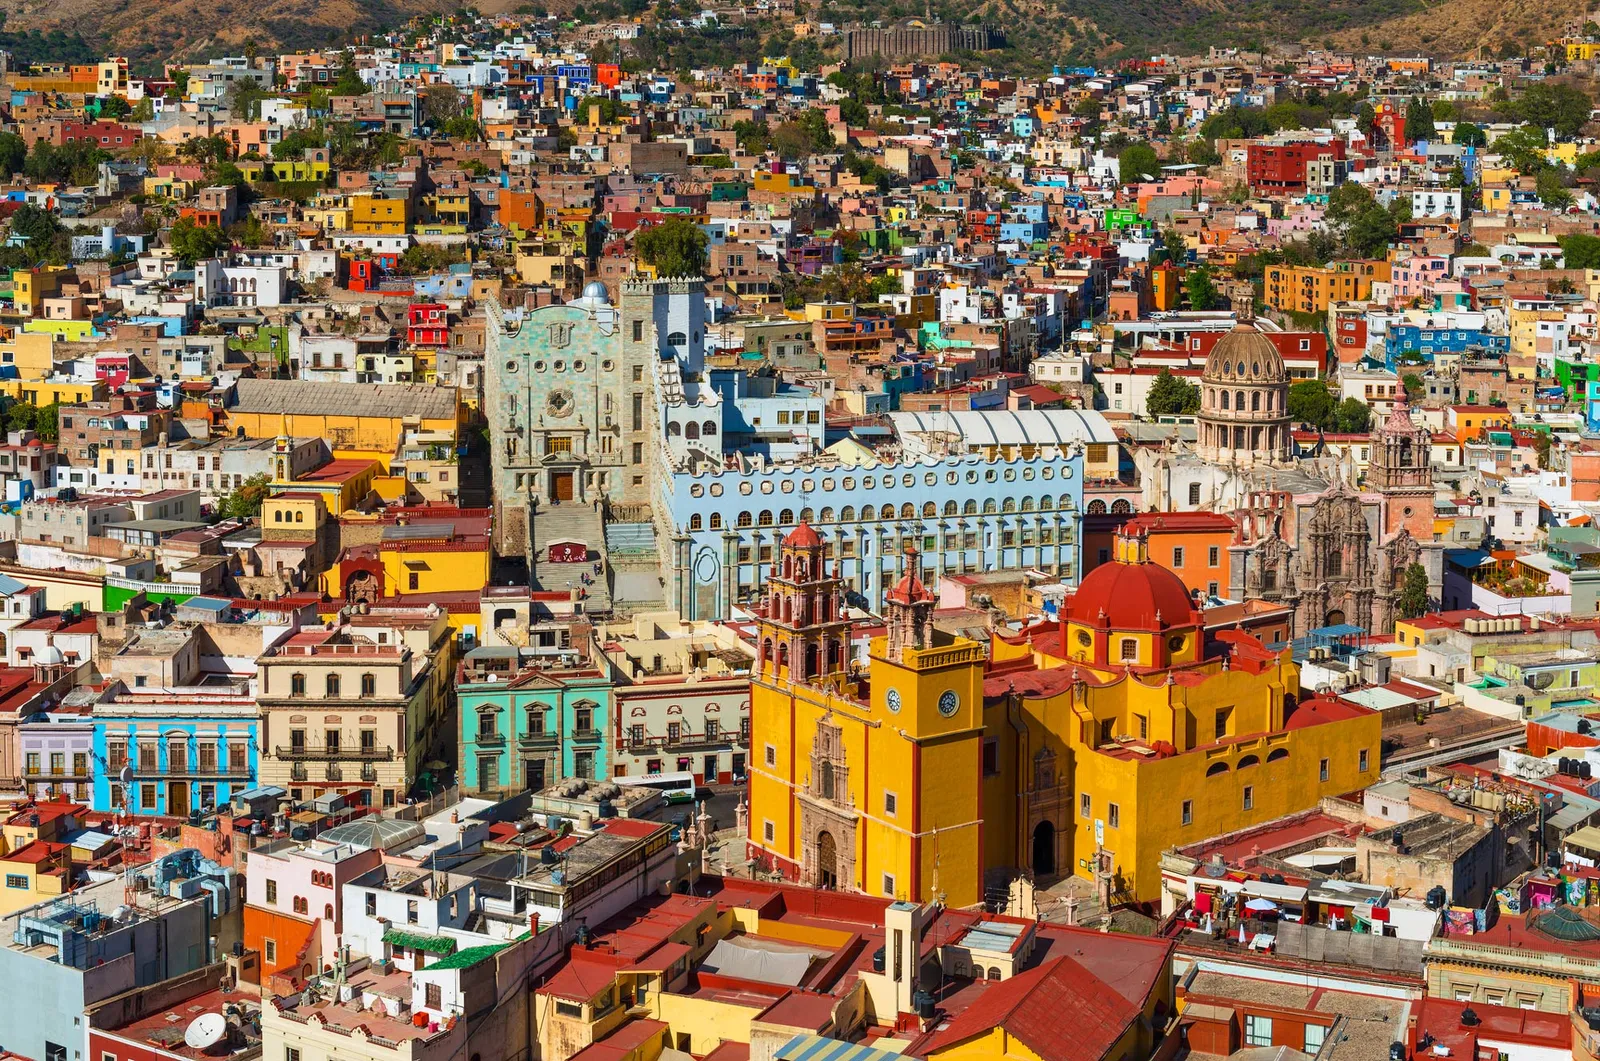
[{"x": 525, "y": 725}]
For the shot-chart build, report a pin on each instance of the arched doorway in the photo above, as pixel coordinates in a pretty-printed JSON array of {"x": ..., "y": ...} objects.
[
  {"x": 1335, "y": 618},
  {"x": 1044, "y": 850},
  {"x": 827, "y": 861}
]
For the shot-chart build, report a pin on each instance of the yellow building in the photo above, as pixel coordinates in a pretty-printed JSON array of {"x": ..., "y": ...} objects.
[
  {"x": 1087, "y": 746},
  {"x": 375, "y": 215},
  {"x": 869, "y": 785},
  {"x": 366, "y": 425},
  {"x": 30, "y": 287},
  {"x": 1309, "y": 289},
  {"x": 415, "y": 560},
  {"x": 297, "y": 170},
  {"x": 43, "y": 392}
]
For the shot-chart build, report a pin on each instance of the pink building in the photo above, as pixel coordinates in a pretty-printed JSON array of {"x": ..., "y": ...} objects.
[{"x": 1415, "y": 277}]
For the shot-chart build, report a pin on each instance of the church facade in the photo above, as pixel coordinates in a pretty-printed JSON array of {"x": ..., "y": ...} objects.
[
  {"x": 1336, "y": 553},
  {"x": 1087, "y": 745}
]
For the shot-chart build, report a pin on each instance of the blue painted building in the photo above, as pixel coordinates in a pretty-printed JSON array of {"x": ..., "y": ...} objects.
[
  {"x": 995, "y": 503},
  {"x": 189, "y": 749},
  {"x": 1428, "y": 340},
  {"x": 525, "y": 727}
]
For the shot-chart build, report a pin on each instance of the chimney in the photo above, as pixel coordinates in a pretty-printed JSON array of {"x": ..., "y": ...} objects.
[{"x": 533, "y": 923}]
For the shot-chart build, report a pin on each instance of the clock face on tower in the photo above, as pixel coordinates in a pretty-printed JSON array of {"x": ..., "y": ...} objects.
[
  {"x": 948, "y": 702},
  {"x": 892, "y": 700}
]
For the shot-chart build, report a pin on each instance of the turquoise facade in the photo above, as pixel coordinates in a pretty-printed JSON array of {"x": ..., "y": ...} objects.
[{"x": 552, "y": 726}]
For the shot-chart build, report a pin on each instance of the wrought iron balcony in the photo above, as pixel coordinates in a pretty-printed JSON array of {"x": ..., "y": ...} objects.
[{"x": 334, "y": 753}]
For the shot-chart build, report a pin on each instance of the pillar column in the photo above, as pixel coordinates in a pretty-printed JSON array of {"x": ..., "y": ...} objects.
[{"x": 730, "y": 573}]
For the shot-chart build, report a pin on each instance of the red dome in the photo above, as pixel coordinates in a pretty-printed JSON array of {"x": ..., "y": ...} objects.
[
  {"x": 803, "y": 537},
  {"x": 1130, "y": 595}
]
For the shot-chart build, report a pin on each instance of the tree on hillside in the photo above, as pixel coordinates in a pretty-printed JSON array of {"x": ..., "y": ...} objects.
[
  {"x": 1413, "y": 599},
  {"x": 191, "y": 243},
  {"x": 1551, "y": 191},
  {"x": 1201, "y": 289},
  {"x": 1552, "y": 106},
  {"x": 1170, "y": 396},
  {"x": 246, "y": 499},
  {"x": 1310, "y": 403},
  {"x": 1138, "y": 162},
  {"x": 1352, "y": 416},
  {"x": 676, "y": 247},
  {"x": 1413, "y": 385},
  {"x": 1468, "y": 135},
  {"x": 1419, "y": 120}
]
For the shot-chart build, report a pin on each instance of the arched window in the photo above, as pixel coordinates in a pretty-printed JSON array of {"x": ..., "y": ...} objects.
[
  {"x": 1216, "y": 768},
  {"x": 709, "y": 428},
  {"x": 691, "y": 430},
  {"x": 868, "y": 513},
  {"x": 1276, "y": 754},
  {"x": 1224, "y": 399},
  {"x": 677, "y": 339},
  {"x": 716, "y": 521},
  {"x": 1096, "y": 507},
  {"x": 764, "y": 519},
  {"x": 694, "y": 522},
  {"x": 1026, "y": 505},
  {"x": 969, "y": 508},
  {"x": 1246, "y": 761},
  {"x": 950, "y": 508},
  {"x": 825, "y": 516},
  {"x": 783, "y": 655},
  {"x": 988, "y": 506},
  {"x": 277, "y": 515},
  {"x": 331, "y": 685},
  {"x": 369, "y": 685},
  {"x": 299, "y": 517},
  {"x": 743, "y": 520},
  {"x": 807, "y": 516},
  {"x": 825, "y": 780},
  {"x": 1255, "y": 402},
  {"x": 786, "y": 516},
  {"x": 1046, "y": 503},
  {"x": 1238, "y": 401},
  {"x": 297, "y": 685},
  {"x": 929, "y": 510},
  {"x": 674, "y": 429},
  {"x": 847, "y": 514},
  {"x": 1121, "y": 506},
  {"x": 908, "y": 511},
  {"x": 1008, "y": 505}
]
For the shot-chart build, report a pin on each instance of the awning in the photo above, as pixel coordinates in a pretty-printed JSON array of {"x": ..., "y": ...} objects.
[
  {"x": 419, "y": 941},
  {"x": 818, "y": 1048}
]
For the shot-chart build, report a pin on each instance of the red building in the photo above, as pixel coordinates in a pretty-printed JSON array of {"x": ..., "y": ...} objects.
[
  {"x": 107, "y": 134},
  {"x": 363, "y": 274},
  {"x": 1281, "y": 168},
  {"x": 428, "y": 324}
]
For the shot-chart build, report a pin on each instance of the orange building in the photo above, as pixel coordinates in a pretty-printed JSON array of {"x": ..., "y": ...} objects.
[
  {"x": 287, "y": 944},
  {"x": 1585, "y": 467},
  {"x": 1192, "y": 545},
  {"x": 1166, "y": 287},
  {"x": 1467, "y": 422},
  {"x": 523, "y": 211}
]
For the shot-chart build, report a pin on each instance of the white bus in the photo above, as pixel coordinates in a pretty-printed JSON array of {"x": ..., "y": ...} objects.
[{"x": 674, "y": 788}]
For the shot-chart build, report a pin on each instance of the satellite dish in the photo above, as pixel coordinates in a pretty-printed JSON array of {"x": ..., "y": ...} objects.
[
  {"x": 205, "y": 1031},
  {"x": 125, "y": 775}
]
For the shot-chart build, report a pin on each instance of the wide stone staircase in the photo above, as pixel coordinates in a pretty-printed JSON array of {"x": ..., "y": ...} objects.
[{"x": 579, "y": 522}]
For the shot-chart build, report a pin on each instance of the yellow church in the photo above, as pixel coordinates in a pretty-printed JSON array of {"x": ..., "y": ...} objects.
[{"x": 1085, "y": 746}]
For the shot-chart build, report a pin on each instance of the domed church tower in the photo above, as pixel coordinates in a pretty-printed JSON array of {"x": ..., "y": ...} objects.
[{"x": 1244, "y": 394}]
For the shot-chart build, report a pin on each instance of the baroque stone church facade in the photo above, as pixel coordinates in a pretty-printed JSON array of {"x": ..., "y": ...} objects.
[{"x": 1334, "y": 551}]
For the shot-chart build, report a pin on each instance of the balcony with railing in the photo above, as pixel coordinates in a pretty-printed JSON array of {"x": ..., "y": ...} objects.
[
  {"x": 685, "y": 740},
  {"x": 45, "y": 773},
  {"x": 534, "y": 739},
  {"x": 334, "y": 752}
]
